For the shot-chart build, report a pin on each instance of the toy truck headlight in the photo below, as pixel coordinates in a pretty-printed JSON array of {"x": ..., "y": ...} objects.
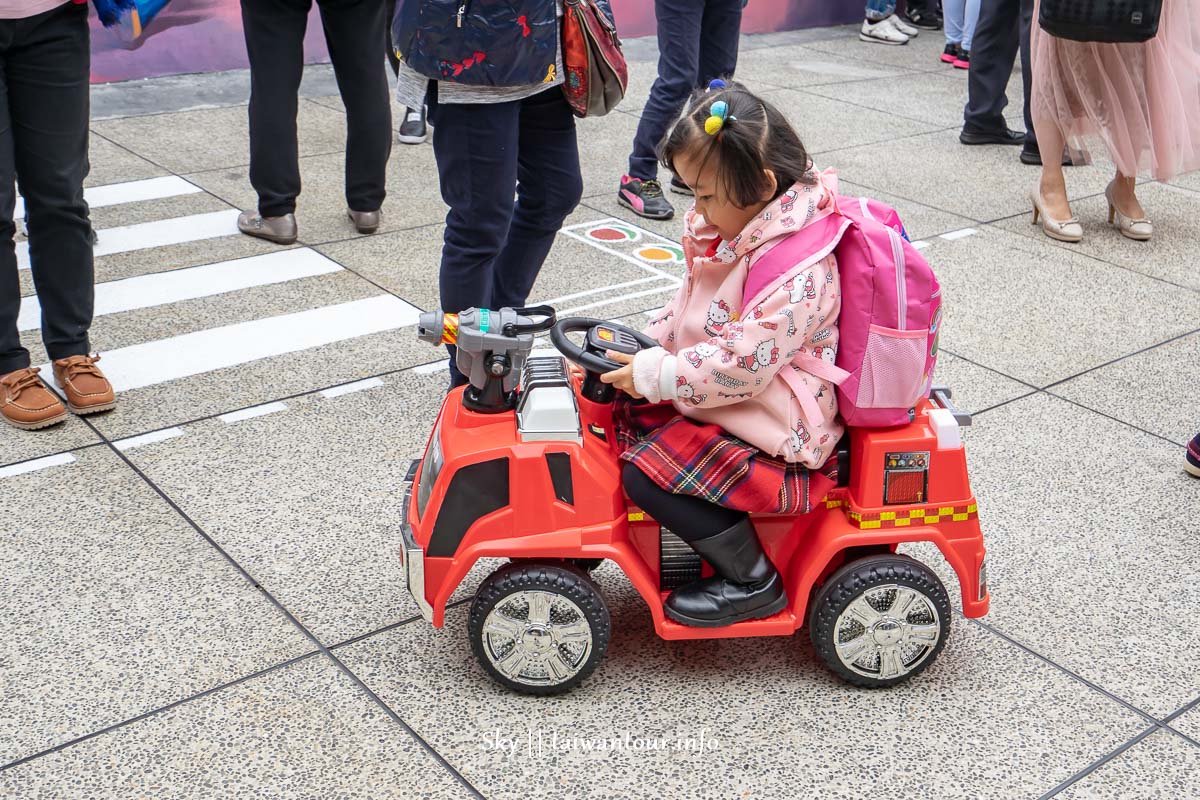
[{"x": 431, "y": 467}]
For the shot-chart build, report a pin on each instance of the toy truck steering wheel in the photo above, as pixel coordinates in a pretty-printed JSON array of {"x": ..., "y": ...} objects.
[{"x": 601, "y": 336}]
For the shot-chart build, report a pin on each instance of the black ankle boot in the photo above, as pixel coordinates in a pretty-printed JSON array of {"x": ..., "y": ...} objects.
[{"x": 746, "y": 584}]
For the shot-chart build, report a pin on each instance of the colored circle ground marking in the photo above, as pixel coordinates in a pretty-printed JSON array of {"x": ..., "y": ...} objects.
[
  {"x": 660, "y": 255},
  {"x": 612, "y": 233}
]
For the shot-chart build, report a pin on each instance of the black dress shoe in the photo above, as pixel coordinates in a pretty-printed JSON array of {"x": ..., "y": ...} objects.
[
  {"x": 746, "y": 584},
  {"x": 1033, "y": 157},
  {"x": 1005, "y": 136}
]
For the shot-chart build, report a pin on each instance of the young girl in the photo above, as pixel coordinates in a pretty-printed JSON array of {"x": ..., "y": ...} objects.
[{"x": 735, "y": 425}]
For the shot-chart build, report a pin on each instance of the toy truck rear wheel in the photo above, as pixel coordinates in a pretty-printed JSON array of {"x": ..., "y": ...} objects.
[
  {"x": 880, "y": 620},
  {"x": 539, "y": 628}
]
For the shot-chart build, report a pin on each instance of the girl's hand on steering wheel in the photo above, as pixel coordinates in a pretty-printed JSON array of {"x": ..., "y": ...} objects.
[{"x": 622, "y": 378}]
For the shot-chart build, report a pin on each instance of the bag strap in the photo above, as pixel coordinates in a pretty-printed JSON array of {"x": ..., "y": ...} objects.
[
  {"x": 818, "y": 368},
  {"x": 806, "y": 246}
]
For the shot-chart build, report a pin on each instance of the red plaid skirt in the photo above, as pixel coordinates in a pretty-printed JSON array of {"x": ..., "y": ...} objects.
[{"x": 687, "y": 457}]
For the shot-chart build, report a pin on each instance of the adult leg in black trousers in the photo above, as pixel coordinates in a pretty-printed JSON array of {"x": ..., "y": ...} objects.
[
  {"x": 549, "y": 186},
  {"x": 494, "y": 248},
  {"x": 274, "y": 31},
  {"x": 679, "y": 28},
  {"x": 720, "y": 33},
  {"x": 351, "y": 26},
  {"x": 44, "y": 138},
  {"x": 1003, "y": 28}
]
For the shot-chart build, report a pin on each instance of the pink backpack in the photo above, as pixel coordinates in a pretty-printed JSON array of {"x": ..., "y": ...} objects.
[{"x": 890, "y": 314}]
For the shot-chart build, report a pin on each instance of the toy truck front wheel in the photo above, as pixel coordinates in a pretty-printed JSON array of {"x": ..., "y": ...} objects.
[{"x": 539, "y": 628}]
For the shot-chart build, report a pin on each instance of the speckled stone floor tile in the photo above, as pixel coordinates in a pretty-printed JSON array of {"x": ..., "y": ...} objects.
[
  {"x": 1160, "y": 767},
  {"x": 112, "y": 163},
  {"x": 412, "y": 197},
  {"x": 984, "y": 183},
  {"x": 772, "y": 718},
  {"x": 303, "y": 731},
  {"x": 190, "y": 141},
  {"x": 1040, "y": 314},
  {"x": 1172, "y": 254},
  {"x": 1155, "y": 390},
  {"x": 819, "y": 121},
  {"x": 114, "y": 606},
  {"x": 309, "y": 499},
  {"x": 1087, "y": 522},
  {"x": 18, "y": 445},
  {"x": 1188, "y": 723}
]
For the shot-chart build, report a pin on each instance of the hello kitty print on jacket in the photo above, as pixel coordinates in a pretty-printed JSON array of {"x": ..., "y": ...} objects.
[{"x": 710, "y": 344}]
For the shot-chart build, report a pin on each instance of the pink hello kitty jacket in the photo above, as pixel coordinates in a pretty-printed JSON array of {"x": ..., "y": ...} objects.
[{"x": 742, "y": 368}]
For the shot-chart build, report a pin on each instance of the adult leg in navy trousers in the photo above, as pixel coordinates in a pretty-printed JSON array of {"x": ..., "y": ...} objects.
[
  {"x": 1003, "y": 28},
  {"x": 44, "y": 141},
  {"x": 697, "y": 41},
  {"x": 354, "y": 32},
  {"x": 494, "y": 246}
]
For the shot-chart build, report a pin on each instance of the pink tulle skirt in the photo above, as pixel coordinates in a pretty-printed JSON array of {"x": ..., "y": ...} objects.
[{"x": 1142, "y": 100}]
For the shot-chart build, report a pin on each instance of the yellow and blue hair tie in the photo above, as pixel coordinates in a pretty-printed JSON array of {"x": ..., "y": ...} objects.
[{"x": 718, "y": 116}]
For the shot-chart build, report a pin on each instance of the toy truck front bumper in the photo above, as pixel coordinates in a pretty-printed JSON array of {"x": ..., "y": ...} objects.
[{"x": 412, "y": 556}]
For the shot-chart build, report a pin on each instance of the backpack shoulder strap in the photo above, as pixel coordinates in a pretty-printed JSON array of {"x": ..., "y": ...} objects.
[{"x": 806, "y": 246}]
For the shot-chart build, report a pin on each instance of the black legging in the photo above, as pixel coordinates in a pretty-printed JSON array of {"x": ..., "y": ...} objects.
[{"x": 688, "y": 517}]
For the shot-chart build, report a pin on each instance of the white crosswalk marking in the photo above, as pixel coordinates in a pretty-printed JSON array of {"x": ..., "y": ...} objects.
[
  {"x": 160, "y": 233},
  {"x": 160, "y": 288},
  {"x": 178, "y": 357},
  {"x": 115, "y": 194}
]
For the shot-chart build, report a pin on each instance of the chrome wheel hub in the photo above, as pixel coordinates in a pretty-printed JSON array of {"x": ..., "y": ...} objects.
[
  {"x": 537, "y": 638},
  {"x": 887, "y": 631}
]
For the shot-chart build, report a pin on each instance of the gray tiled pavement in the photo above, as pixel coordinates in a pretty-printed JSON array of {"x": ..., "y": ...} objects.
[{"x": 218, "y": 610}]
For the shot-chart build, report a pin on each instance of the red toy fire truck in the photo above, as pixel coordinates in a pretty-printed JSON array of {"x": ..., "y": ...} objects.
[{"x": 522, "y": 464}]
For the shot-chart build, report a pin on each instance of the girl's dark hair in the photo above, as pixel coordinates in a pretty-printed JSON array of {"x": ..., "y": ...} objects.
[{"x": 755, "y": 137}]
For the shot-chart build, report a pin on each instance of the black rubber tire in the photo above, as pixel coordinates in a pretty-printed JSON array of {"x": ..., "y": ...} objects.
[
  {"x": 566, "y": 580},
  {"x": 859, "y": 576}
]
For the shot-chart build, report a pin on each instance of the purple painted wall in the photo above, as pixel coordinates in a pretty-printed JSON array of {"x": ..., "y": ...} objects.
[{"x": 206, "y": 35}]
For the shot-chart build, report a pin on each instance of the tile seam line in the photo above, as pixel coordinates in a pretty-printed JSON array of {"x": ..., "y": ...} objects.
[
  {"x": 849, "y": 37},
  {"x": 1179, "y": 712},
  {"x": 68, "y": 451},
  {"x": 139, "y": 156},
  {"x": 1088, "y": 256},
  {"x": 161, "y": 709},
  {"x": 1137, "y": 352},
  {"x": 975, "y": 363},
  {"x": 210, "y": 107},
  {"x": 1147, "y": 717},
  {"x": 321, "y": 647},
  {"x": 215, "y": 689},
  {"x": 1117, "y": 420},
  {"x": 904, "y": 117},
  {"x": 1095, "y": 765}
]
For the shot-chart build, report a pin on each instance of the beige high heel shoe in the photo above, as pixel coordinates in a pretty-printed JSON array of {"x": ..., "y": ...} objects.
[
  {"x": 1064, "y": 230},
  {"x": 1137, "y": 229}
]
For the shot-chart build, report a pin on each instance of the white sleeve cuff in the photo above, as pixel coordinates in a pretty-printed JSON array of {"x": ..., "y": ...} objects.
[
  {"x": 667, "y": 387},
  {"x": 646, "y": 373}
]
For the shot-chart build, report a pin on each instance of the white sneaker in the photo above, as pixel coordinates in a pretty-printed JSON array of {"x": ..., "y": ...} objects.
[
  {"x": 881, "y": 32},
  {"x": 910, "y": 31}
]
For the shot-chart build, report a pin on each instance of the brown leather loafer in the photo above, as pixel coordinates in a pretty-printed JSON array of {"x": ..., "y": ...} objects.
[
  {"x": 280, "y": 230},
  {"x": 364, "y": 221},
  {"x": 26, "y": 403},
  {"x": 85, "y": 386}
]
